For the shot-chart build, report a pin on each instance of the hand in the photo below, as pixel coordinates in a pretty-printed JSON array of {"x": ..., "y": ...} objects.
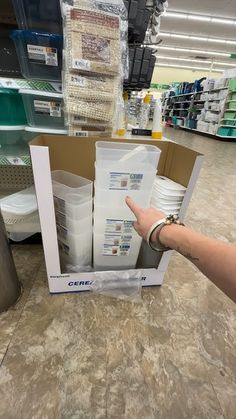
[{"x": 145, "y": 217}]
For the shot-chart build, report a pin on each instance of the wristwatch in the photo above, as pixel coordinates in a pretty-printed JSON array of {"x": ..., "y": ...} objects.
[{"x": 157, "y": 226}]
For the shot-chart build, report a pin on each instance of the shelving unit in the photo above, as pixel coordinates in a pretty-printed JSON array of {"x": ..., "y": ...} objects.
[{"x": 206, "y": 112}]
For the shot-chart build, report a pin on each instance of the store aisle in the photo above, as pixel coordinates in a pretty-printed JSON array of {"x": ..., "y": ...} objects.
[{"x": 88, "y": 357}]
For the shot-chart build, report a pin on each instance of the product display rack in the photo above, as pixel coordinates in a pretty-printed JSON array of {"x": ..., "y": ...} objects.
[{"x": 195, "y": 111}]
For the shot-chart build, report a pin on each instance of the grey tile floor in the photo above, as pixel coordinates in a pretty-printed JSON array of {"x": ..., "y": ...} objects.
[{"x": 81, "y": 356}]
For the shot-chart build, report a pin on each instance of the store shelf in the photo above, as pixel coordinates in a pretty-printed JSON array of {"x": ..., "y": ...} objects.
[{"x": 208, "y": 134}]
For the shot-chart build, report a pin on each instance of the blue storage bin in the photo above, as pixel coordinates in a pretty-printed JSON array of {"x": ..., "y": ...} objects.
[
  {"x": 38, "y": 15},
  {"x": 39, "y": 54}
]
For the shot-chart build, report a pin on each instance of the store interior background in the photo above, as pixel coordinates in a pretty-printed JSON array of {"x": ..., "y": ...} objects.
[{"x": 175, "y": 25}]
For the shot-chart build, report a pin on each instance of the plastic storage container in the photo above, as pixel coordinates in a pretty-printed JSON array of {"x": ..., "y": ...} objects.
[
  {"x": 78, "y": 250},
  {"x": 18, "y": 207},
  {"x": 32, "y": 132},
  {"x": 233, "y": 96},
  {"x": 125, "y": 178},
  {"x": 12, "y": 111},
  {"x": 71, "y": 210},
  {"x": 38, "y": 15},
  {"x": 9, "y": 65},
  {"x": 116, "y": 198},
  {"x": 230, "y": 115},
  {"x": 113, "y": 252},
  {"x": 43, "y": 109},
  {"x": 227, "y": 132},
  {"x": 70, "y": 188},
  {"x": 11, "y": 134},
  {"x": 69, "y": 225},
  {"x": 232, "y": 105},
  {"x": 232, "y": 84},
  {"x": 124, "y": 154},
  {"x": 39, "y": 54}
]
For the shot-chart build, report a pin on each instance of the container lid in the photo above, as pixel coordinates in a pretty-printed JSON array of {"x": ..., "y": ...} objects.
[
  {"x": 27, "y": 34},
  {"x": 40, "y": 93},
  {"x": 12, "y": 127},
  {"x": 169, "y": 184},
  {"x": 42, "y": 130},
  {"x": 20, "y": 203}
]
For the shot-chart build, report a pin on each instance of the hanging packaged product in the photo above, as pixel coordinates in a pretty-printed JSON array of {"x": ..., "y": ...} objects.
[
  {"x": 93, "y": 41},
  {"x": 91, "y": 87},
  {"x": 95, "y": 59}
]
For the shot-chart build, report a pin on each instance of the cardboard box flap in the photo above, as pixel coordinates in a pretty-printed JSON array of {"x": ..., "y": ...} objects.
[{"x": 77, "y": 155}]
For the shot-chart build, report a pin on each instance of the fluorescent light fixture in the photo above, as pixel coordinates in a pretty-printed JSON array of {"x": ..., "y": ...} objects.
[
  {"x": 195, "y": 51},
  {"x": 218, "y": 70},
  {"x": 197, "y": 38},
  {"x": 193, "y": 60},
  {"x": 200, "y": 18}
]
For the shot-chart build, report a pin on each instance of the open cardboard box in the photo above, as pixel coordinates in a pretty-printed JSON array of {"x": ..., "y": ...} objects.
[{"x": 77, "y": 155}]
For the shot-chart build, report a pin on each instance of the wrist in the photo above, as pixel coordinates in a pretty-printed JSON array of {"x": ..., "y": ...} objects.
[{"x": 169, "y": 234}]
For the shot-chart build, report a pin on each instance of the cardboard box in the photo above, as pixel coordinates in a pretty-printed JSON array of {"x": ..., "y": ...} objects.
[{"x": 77, "y": 155}]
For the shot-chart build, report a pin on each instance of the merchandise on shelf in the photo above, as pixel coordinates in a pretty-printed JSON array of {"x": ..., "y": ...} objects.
[
  {"x": 32, "y": 132},
  {"x": 43, "y": 109},
  {"x": 120, "y": 169},
  {"x": 39, "y": 54},
  {"x": 95, "y": 62},
  {"x": 11, "y": 108},
  {"x": 210, "y": 110},
  {"x": 38, "y": 15},
  {"x": 11, "y": 134},
  {"x": 73, "y": 210}
]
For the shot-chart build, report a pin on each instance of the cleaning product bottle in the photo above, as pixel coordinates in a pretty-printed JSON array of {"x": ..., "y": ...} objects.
[
  {"x": 122, "y": 117},
  {"x": 157, "y": 121},
  {"x": 144, "y": 112}
]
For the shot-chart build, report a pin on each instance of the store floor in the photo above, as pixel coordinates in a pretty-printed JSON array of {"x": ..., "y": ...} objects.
[{"x": 81, "y": 356}]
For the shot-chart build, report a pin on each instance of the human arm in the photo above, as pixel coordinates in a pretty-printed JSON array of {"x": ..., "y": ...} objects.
[{"x": 215, "y": 259}]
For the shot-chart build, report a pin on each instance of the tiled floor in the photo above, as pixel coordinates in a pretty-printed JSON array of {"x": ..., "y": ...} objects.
[{"x": 90, "y": 357}]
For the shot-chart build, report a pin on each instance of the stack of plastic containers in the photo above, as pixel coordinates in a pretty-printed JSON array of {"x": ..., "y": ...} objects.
[
  {"x": 121, "y": 169},
  {"x": 73, "y": 210},
  {"x": 167, "y": 195}
]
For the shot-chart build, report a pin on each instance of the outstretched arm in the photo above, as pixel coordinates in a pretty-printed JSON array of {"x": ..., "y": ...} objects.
[{"x": 215, "y": 259}]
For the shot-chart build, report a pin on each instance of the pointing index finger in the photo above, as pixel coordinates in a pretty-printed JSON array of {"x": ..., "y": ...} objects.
[{"x": 133, "y": 206}]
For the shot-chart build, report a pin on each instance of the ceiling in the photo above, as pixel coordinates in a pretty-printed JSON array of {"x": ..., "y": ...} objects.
[{"x": 187, "y": 19}]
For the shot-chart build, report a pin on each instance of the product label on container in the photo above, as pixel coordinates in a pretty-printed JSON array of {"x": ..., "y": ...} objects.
[
  {"x": 42, "y": 55},
  {"x": 117, "y": 237},
  {"x": 116, "y": 245},
  {"x": 119, "y": 226},
  {"x": 125, "y": 181},
  {"x": 47, "y": 108}
]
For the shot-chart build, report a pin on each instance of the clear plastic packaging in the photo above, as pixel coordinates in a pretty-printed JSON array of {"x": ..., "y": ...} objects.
[
  {"x": 95, "y": 60},
  {"x": 122, "y": 285}
]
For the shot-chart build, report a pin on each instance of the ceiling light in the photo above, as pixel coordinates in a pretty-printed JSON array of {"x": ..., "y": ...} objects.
[
  {"x": 218, "y": 70},
  {"x": 201, "y": 18},
  {"x": 193, "y": 60},
  {"x": 195, "y": 51},
  {"x": 197, "y": 38}
]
